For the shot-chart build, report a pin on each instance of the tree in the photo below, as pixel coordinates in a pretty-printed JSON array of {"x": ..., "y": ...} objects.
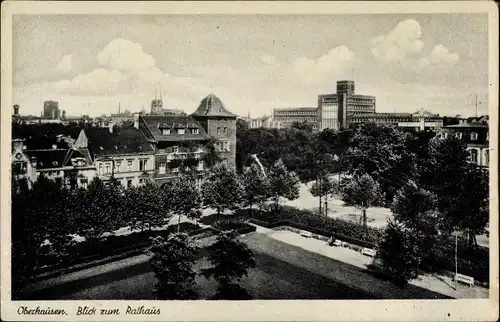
[
  {"x": 231, "y": 260},
  {"x": 145, "y": 206},
  {"x": 221, "y": 189},
  {"x": 323, "y": 188},
  {"x": 172, "y": 262},
  {"x": 255, "y": 186},
  {"x": 282, "y": 184},
  {"x": 184, "y": 198},
  {"x": 381, "y": 152},
  {"x": 462, "y": 188},
  {"x": 361, "y": 192},
  {"x": 212, "y": 156},
  {"x": 410, "y": 202},
  {"x": 101, "y": 209},
  {"x": 399, "y": 253}
]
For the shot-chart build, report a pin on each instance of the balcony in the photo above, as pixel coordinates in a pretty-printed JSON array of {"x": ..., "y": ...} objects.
[{"x": 184, "y": 155}]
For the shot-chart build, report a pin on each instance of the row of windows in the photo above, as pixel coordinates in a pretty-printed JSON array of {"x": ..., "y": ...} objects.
[
  {"x": 474, "y": 156},
  {"x": 224, "y": 130},
  {"x": 179, "y": 131},
  {"x": 122, "y": 166},
  {"x": 222, "y": 146},
  {"x": 458, "y": 135},
  {"x": 162, "y": 167}
]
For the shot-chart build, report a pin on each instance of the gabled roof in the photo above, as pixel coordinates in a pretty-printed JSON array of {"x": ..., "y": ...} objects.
[
  {"x": 47, "y": 159},
  {"x": 121, "y": 141},
  {"x": 155, "y": 124},
  {"x": 212, "y": 106}
]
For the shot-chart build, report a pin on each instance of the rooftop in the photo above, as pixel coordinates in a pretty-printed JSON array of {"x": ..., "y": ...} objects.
[
  {"x": 121, "y": 141},
  {"x": 156, "y": 123},
  {"x": 212, "y": 106}
]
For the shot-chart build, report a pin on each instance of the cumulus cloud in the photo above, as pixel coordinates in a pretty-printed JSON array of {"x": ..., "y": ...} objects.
[
  {"x": 403, "y": 44},
  {"x": 400, "y": 42},
  {"x": 65, "y": 64},
  {"x": 125, "y": 56},
  {"x": 124, "y": 66},
  {"x": 335, "y": 61}
]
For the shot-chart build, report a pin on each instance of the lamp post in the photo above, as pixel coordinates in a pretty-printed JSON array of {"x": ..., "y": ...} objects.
[{"x": 456, "y": 258}]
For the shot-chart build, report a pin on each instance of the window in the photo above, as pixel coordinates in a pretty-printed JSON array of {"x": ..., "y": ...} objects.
[
  {"x": 100, "y": 168},
  {"x": 218, "y": 130},
  {"x": 196, "y": 131},
  {"x": 129, "y": 165},
  {"x": 445, "y": 135},
  {"x": 162, "y": 169},
  {"x": 486, "y": 157},
  {"x": 182, "y": 131},
  {"x": 175, "y": 149},
  {"x": 200, "y": 165},
  {"x": 473, "y": 156},
  {"x": 141, "y": 181},
  {"x": 118, "y": 164},
  {"x": 225, "y": 130},
  {"x": 129, "y": 183},
  {"x": 143, "y": 165},
  {"x": 84, "y": 183},
  {"x": 458, "y": 135},
  {"x": 473, "y": 136},
  {"x": 107, "y": 168},
  {"x": 225, "y": 145},
  {"x": 165, "y": 131},
  {"x": 175, "y": 170}
]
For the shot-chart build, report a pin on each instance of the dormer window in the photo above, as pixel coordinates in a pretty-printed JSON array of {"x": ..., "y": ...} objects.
[
  {"x": 54, "y": 163},
  {"x": 196, "y": 131},
  {"x": 218, "y": 130},
  {"x": 175, "y": 149},
  {"x": 165, "y": 131},
  {"x": 182, "y": 131},
  {"x": 473, "y": 136},
  {"x": 458, "y": 135}
]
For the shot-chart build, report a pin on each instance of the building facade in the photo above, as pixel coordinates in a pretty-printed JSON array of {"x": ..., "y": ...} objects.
[
  {"x": 122, "y": 153},
  {"x": 336, "y": 110},
  {"x": 475, "y": 134},
  {"x": 51, "y": 110},
  {"x": 68, "y": 162},
  {"x": 418, "y": 121},
  {"x": 220, "y": 125},
  {"x": 179, "y": 145},
  {"x": 287, "y": 116},
  {"x": 264, "y": 122}
]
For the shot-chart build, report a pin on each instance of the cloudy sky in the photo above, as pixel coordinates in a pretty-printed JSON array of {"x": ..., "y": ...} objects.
[{"x": 91, "y": 64}]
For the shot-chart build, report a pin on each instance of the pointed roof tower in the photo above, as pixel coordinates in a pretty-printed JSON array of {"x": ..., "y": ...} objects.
[
  {"x": 212, "y": 106},
  {"x": 81, "y": 142}
]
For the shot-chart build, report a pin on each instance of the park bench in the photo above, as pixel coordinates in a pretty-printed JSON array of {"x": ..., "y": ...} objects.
[
  {"x": 464, "y": 279},
  {"x": 368, "y": 252},
  {"x": 305, "y": 233}
]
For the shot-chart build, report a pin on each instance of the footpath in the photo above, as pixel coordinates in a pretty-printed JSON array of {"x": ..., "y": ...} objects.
[{"x": 435, "y": 282}]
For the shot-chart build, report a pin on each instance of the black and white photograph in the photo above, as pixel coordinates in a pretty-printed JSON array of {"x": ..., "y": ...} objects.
[{"x": 206, "y": 157}]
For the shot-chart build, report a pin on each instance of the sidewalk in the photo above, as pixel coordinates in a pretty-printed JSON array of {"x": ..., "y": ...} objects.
[{"x": 437, "y": 283}]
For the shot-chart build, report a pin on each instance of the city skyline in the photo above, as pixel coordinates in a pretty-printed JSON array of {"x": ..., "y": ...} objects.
[{"x": 408, "y": 62}]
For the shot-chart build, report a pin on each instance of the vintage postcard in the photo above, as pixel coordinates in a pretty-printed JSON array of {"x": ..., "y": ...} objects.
[{"x": 249, "y": 161}]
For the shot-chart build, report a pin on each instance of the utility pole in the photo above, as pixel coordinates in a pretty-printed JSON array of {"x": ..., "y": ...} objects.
[
  {"x": 476, "y": 103},
  {"x": 456, "y": 259}
]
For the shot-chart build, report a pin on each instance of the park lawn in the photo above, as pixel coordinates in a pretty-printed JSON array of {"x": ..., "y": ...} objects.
[{"x": 283, "y": 272}]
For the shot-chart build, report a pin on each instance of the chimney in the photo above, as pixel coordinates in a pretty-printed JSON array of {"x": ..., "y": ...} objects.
[
  {"x": 16, "y": 109},
  {"x": 110, "y": 126},
  {"x": 136, "y": 120}
]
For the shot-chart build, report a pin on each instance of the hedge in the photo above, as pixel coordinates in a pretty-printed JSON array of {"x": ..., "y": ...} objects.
[
  {"x": 348, "y": 231},
  {"x": 93, "y": 250},
  {"x": 238, "y": 226}
]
